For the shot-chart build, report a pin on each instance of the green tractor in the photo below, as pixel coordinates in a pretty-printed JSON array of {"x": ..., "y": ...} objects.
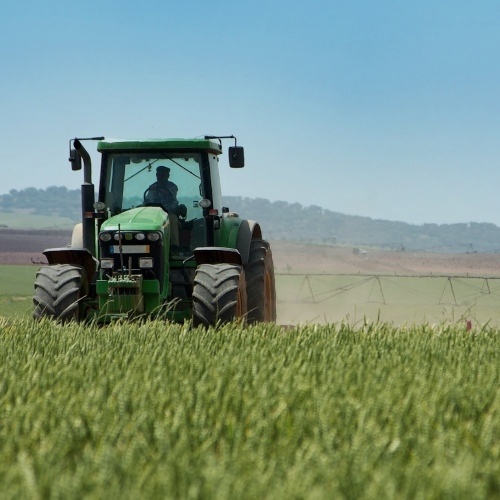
[{"x": 158, "y": 242}]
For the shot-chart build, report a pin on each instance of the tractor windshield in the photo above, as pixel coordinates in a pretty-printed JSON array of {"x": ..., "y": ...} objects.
[{"x": 138, "y": 179}]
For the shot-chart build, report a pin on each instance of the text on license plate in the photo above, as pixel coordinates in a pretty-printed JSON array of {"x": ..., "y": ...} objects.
[{"x": 130, "y": 249}]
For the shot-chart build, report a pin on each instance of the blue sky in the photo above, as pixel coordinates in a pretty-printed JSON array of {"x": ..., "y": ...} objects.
[{"x": 384, "y": 109}]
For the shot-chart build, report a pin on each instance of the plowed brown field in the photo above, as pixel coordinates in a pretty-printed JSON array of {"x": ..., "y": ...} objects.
[{"x": 25, "y": 247}]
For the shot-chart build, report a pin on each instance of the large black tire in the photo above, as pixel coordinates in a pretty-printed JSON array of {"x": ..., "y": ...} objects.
[
  {"x": 58, "y": 292},
  {"x": 261, "y": 288},
  {"x": 219, "y": 294}
]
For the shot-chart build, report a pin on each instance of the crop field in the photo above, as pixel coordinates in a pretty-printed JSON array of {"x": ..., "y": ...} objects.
[
  {"x": 394, "y": 299},
  {"x": 323, "y": 299},
  {"x": 387, "y": 386},
  {"x": 156, "y": 410},
  {"x": 16, "y": 290},
  {"x": 17, "y": 280},
  {"x": 28, "y": 220}
]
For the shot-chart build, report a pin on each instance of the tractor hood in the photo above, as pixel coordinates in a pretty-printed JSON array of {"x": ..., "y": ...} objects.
[{"x": 138, "y": 219}]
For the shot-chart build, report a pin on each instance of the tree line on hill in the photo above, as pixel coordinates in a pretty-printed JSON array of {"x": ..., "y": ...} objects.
[
  {"x": 293, "y": 222},
  {"x": 55, "y": 201}
]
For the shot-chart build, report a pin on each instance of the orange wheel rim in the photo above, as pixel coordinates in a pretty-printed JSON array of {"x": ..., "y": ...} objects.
[
  {"x": 268, "y": 313},
  {"x": 239, "y": 307}
]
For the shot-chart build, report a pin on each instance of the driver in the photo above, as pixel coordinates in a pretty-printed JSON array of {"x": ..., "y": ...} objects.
[{"x": 164, "y": 192}]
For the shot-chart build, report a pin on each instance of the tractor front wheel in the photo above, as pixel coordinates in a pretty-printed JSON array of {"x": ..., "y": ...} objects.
[
  {"x": 59, "y": 290},
  {"x": 219, "y": 294}
]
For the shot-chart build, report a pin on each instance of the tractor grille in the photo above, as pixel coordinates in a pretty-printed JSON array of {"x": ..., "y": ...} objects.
[{"x": 126, "y": 256}]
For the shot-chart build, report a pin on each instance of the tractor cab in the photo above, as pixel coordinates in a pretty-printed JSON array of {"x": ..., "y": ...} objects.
[
  {"x": 179, "y": 176},
  {"x": 170, "y": 182}
]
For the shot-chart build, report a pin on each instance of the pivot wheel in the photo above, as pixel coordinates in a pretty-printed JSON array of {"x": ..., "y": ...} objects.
[
  {"x": 219, "y": 294},
  {"x": 58, "y": 292},
  {"x": 261, "y": 288}
]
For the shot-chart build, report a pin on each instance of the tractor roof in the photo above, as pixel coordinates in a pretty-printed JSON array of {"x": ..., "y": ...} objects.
[{"x": 151, "y": 144}]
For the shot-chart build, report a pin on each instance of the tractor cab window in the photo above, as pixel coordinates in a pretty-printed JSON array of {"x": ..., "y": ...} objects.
[
  {"x": 140, "y": 179},
  {"x": 171, "y": 181}
]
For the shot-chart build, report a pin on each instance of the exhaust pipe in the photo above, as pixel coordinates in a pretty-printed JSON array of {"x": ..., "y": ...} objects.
[{"x": 88, "y": 199}]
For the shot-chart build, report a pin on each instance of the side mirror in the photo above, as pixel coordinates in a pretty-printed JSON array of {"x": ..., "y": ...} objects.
[
  {"x": 75, "y": 159},
  {"x": 236, "y": 157}
]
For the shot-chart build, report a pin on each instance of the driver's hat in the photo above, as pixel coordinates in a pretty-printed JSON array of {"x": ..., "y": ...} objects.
[{"x": 162, "y": 170}]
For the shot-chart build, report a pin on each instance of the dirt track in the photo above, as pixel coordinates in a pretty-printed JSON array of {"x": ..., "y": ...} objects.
[{"x": 300, "y": 259}]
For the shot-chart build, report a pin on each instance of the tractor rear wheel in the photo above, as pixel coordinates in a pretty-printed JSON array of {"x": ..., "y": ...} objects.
[
  {"x": 219, "y": 294},
  {"x": 261, "y": 288},
  {"x": 58, "y": 292}
]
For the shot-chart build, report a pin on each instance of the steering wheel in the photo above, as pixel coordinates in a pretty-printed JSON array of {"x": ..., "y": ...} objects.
[{"x": 164, "y": 197}]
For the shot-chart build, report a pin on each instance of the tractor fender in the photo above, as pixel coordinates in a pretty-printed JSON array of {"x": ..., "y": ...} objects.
[
  {"x": 248, "y": 231},
  {"x": 217, "y": 255},
  {"x": 74, "y": 256}
]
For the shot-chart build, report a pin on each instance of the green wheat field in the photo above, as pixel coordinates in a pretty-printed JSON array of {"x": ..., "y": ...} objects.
[
  {"x": 348, "y": 409},
  {"x": 156, "y": 410}
]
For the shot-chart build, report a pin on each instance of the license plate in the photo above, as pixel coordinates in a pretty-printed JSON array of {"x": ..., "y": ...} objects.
[{"x": 130, "y": 249}]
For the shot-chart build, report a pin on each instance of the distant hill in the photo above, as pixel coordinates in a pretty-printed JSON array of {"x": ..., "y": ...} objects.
[
  {"x": 280, "y": 221},
  {"x": 53, "y": 201},
  {"x": 293, "y": 222}
]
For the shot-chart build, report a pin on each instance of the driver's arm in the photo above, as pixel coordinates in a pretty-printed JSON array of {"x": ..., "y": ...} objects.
[{"x": 150, "y": 195}]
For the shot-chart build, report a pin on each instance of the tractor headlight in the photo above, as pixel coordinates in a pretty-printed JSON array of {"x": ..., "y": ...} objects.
[
  {"x": 145, "y": 263},
  {"x": 140, "y": 236},
  {"x": 105, "y": 236},
  {"x": 107, "y": 263},
  {"x": 125, "y": 236},
  {"x": 153, "y": 236}
]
